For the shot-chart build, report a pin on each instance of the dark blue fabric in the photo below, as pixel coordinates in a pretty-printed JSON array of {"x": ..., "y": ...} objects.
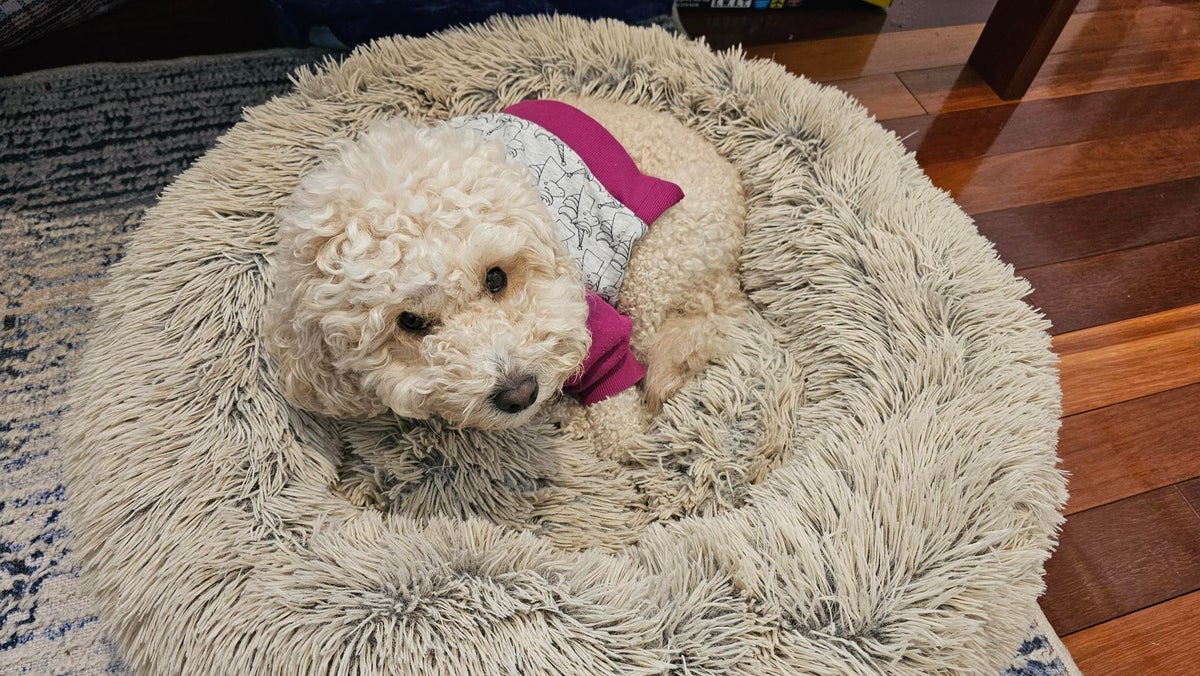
[{"x": 354, "y": 22}]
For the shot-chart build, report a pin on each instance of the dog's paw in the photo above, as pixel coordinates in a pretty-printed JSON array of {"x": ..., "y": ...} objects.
[
  {"x": 617, "y": 428},
  {"x": 682, "y": 347}
]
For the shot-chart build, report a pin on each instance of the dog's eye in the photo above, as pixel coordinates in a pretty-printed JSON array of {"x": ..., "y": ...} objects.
[
  {"x": 412, "y": 323},
  {"x": 496, "y": 280}
]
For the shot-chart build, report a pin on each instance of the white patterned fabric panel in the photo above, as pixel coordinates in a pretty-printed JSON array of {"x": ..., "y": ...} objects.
[{"x": 595, "y": 227}]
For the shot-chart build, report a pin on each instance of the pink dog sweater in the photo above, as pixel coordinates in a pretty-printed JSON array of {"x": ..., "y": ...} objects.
[{"x": 610, "y": 366}]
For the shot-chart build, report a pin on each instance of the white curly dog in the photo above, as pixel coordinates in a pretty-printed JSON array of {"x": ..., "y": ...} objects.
[{"x": 418, "y": 271}]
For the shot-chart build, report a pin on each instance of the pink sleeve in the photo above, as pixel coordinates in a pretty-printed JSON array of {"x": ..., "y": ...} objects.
[{"x": 610, "y": 366}]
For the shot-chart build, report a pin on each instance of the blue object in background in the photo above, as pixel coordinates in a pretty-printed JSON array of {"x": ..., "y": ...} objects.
[{"x": 346, "y": 23}]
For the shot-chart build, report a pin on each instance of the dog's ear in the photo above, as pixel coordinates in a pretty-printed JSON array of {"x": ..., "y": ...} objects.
[{"x": 305, "y": 369}]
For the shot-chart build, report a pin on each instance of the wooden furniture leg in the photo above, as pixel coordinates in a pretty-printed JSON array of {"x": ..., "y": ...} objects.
[{"x": 1015, "y": 41}]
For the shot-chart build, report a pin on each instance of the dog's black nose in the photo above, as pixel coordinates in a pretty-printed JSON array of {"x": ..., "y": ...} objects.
[{"x": 516, "y": 398}]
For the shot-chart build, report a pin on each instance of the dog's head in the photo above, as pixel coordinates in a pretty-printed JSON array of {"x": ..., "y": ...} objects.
[{"x": 418, "y": 271}]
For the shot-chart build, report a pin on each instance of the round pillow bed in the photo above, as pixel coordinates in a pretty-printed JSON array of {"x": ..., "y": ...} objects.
[{"x": 866, "y": 483}]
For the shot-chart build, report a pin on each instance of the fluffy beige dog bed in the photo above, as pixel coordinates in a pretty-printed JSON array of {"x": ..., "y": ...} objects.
[{"x": 867, "y": 484}]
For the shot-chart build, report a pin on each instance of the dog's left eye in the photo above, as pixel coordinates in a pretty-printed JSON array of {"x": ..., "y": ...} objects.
[
  {"x": 496, "y": 280},
  {"x": 412, "y": 323}
]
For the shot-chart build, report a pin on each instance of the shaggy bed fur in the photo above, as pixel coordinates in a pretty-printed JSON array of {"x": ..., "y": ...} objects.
[{"x": 864, "y": 483}]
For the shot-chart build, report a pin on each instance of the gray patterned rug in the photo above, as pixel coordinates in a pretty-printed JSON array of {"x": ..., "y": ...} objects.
[{"x": 83, "y": 151}]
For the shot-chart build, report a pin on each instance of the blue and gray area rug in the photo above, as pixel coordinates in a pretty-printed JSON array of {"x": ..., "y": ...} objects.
[{"x": 83, "y": 151}]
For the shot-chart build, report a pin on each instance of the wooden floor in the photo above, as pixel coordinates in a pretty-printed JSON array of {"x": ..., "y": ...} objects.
[{"x": 1090, "y": 188}]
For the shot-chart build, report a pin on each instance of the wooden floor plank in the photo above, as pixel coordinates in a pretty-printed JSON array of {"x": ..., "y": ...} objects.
[
  {"x": 1122, "y": 557},
  {"x": 1191, "y": 492},
  {"x": 1141, "y": 24},
  {"x": 997, "y": 130},
  {"x": 1117, "y": 286},
  {"x": 1137, "y": 446},
  {"x": 949, "y": 46},
  {"x": 1085, "y": 6},
  {"x": 956, "y": 87},
  {"x": 1127, "y": 360},
  {"x": 1158, "y": 641},
  {"x": 883, "y": 95},
  {"x": 1044, "y": 234},
  {"x": 848, "y": 57},
  {"x": 1072, "y": 170},
  {"x": 1155, "y": 326}
]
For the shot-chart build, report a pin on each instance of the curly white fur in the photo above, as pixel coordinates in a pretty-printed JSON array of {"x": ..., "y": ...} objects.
[{"x": 411, "y": 219}]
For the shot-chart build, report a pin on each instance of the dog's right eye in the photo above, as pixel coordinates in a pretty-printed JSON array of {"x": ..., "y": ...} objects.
[
  {"x": 496, "y": 280},
  {"x": 412, "y": 323}
]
